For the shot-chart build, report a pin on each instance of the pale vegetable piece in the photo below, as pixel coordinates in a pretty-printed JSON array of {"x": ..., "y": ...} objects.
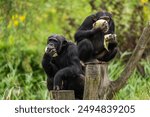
[
  {"x": 106, "y": 42},
  {"x": 103, "y": 24},
  {"x": 46, "y": 49}
]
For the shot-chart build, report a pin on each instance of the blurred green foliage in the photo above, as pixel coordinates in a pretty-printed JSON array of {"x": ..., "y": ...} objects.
[{"x": 26, "y": 24}]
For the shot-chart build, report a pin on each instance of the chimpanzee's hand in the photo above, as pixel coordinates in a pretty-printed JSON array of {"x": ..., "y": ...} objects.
[
  {"x": 56, "y": 88},
  {"x": 51, "y": 51},
  {"x": 110, "y": 41}
]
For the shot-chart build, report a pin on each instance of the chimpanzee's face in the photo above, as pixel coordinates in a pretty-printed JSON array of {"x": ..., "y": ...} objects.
[
  {"x": 104, "y": 15},
  {"x": 52, "y": 47},
  {"x": 103, "y": 21}
]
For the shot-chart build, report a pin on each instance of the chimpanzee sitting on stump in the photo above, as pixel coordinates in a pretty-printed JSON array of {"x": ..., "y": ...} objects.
[
  {"x": 96, "y": 39},
  {"x": 62, "y": 66}
]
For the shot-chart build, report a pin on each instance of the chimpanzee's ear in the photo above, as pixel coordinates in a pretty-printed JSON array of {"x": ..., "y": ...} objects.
[
  {"x": 94, "y": 18},
  {"x": 63, "y": 43}
]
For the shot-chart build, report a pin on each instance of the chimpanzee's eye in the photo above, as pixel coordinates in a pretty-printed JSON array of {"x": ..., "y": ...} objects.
[
  {"x": 54, "y": 42},
  {"x": 107, "y": 18},
  {"x": 51, "y": 44}
]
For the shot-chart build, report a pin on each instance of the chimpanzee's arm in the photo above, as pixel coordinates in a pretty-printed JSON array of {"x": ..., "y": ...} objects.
[
  {"x": 86, "y": 29},
  {"x": 72, "y": 70},
  {"x": 48, "y": 66}
]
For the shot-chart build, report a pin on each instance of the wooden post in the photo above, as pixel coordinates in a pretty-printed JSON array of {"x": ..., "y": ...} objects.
[
  {"x": 62, "y": 95},
  {"x": 95, "y": 75}
]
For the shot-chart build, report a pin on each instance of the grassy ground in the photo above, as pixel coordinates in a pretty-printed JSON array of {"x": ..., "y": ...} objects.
[
  {"x": 137, "y": 86},
  {"x": 16, "y": 85}
]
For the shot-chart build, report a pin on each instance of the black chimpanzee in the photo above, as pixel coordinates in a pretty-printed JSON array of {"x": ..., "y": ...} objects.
[
  {"x": 62, "y": 66},
  {"x": 96, "y": 39}
]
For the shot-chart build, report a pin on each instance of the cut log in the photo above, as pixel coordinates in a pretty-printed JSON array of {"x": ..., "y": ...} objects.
[
  {"x": 95, "y": 76},
  {"x": 62, "y": 94}
]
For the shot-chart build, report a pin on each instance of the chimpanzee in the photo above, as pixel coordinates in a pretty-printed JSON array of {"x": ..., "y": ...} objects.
[
  {"x": 62, "y": 66},
  {"x": 96, "y": 39}
]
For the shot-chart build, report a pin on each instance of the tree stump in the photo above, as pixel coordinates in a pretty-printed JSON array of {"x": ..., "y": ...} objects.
[
  {"x": 62, "y": 95},
  {"x": 95, "y": 77}
]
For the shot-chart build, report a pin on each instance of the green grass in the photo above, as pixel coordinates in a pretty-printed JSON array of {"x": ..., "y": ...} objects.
[
  {"x": 138, "y": 86},
  {"x": 16, "y": 85}
]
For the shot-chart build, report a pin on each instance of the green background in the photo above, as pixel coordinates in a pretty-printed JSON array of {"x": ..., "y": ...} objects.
[{"x": 26, "y": 24}]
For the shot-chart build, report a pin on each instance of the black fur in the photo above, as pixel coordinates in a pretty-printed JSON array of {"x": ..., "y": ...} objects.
[
  {"x": 64, "y": 71},
  {"x": 90, "y": 41}
]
